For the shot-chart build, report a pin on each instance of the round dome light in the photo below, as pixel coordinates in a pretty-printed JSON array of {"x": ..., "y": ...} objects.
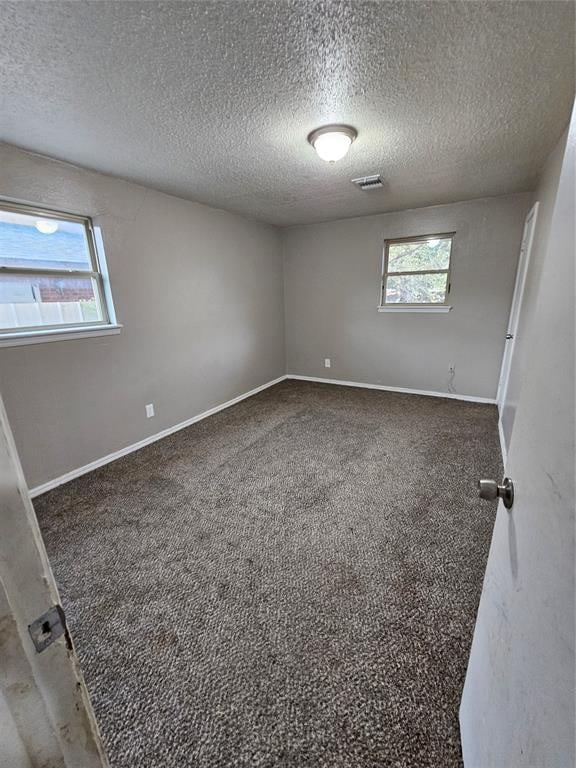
[
  {"x": 332, "y": 142},
  {"x": 46, "y": 226}
]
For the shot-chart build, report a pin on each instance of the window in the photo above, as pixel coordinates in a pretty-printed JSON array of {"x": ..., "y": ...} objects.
[
  {"x": 417, "y": 272},
  {"x": 50, "y": 276}
]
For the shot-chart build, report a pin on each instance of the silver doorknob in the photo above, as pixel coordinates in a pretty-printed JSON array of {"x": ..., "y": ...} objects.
[{"x": 490, "y": 490}]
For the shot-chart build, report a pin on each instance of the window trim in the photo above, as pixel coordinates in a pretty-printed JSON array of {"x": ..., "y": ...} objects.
[
  {"x": 61, "y": 333},
  {"x": 444, "y": 306},
  {"x": 98, "y": 274}
]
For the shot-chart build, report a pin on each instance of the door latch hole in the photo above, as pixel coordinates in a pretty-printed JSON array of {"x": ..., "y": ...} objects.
[{"x": 47, "y": 628}]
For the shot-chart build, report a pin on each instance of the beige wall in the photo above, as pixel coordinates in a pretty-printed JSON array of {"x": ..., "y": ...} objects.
[
  {"x": 199, "y": 292},
  {"x": 332, "y": 275}
]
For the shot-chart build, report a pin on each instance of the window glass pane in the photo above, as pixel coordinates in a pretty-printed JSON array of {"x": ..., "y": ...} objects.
[
  {"x": 416, "y": 289},
  {"x": 28, "y": 301},
  {"x": 419, "y": 255},
  {"x": 42, "y": 243}
]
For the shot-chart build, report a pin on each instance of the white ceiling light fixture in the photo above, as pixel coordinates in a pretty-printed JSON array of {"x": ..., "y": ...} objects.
[
  {"x": 332, "y": 142},
  {"x": 46, "y": 227}
]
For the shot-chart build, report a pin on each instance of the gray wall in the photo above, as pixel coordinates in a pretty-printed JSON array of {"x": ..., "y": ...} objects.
[
  {"x": 199, "y": 292},
  {"x": 332, "y": 275},
  {"x": 545, "y": 195}
]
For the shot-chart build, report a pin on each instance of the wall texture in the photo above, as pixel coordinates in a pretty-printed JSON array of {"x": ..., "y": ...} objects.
[
  {"x": 199, "y": 292},
  {"x": 332, "y": 277}
]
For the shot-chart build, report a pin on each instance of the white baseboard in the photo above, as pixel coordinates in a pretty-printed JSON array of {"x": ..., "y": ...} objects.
[
  {"x": 450, "y": 395},
  {"x": 39, "y": 489}
]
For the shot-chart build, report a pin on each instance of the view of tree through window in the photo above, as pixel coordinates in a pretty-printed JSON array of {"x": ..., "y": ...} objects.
[{"x": 417, "y": 271}]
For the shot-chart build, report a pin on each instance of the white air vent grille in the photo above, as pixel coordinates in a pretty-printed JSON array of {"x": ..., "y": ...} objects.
[{"x": 367, "y": 183}]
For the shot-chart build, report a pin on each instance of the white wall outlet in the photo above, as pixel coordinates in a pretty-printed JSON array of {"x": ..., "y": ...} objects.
[
  {"x": 149, "y": 410},
  {"x": 327, "y": 362}
]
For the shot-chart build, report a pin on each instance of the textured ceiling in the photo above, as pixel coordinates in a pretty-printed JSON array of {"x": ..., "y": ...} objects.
[{"x": 213, "y": 100}]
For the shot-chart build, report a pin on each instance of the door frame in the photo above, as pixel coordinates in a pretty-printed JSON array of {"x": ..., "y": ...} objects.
[
  {"x": 514, "y": 316},
  {"x": 43, "y": 692}
]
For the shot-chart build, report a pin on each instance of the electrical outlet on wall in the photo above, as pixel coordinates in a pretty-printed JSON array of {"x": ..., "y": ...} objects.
[
  {"x": 327, "y": 362},
  {"x": 149, "y": 410}
]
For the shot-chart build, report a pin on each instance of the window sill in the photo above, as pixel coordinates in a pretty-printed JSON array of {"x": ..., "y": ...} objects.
[
  {"x": 430, "y": 309},
  {"x": 18, "y": 338}
]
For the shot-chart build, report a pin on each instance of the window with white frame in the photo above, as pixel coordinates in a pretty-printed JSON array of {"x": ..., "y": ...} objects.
[
  {"x": 51, "y": 277},
  {"x": 417, "y": 271}
]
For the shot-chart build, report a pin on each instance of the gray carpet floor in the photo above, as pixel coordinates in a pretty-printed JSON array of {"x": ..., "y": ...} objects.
[{"x": 291, "y": 582}]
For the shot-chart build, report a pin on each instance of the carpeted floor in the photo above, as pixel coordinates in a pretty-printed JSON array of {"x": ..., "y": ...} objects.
[{"x": 291, "y": 582}]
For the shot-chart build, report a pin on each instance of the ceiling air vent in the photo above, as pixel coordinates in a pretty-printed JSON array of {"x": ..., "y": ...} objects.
[{"x": 367, "y": 183}]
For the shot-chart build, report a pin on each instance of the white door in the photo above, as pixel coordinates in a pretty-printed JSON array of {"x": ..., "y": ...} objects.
[
  {"x": 517, "y": 708},
  {"x": 45, "y": 715},
  {"x": 507, "y": 410}
]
